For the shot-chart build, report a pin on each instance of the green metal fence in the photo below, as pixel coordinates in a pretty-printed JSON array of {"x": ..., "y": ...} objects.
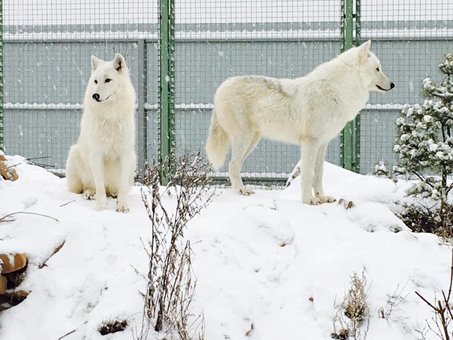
[
  {"x": 410, "y": 38},
  {"x": 228, "y": 38},
  {"x": 350, "y": 36},
  {"x": 2, "y": 137},
  {"x": 180, "y": 51},
  {"x": 167, "y": 81}
]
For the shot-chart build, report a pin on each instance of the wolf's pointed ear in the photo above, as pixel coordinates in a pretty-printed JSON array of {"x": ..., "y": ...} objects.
[
  {"x": 364, "y": 49},
  {"x": 366, "y": 44},
  {"x": 118, "y": 62},
  {"x": 95, "y": 61}
]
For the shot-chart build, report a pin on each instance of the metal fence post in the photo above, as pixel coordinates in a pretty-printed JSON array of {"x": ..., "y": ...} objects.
[
  {"x": 2, "y": 145},
  {"x": 357, "y": 123},
  {"x": 142, "y": 124},
  {"x": 350, "y": 137},
  {"x": 166, "y": 82}
]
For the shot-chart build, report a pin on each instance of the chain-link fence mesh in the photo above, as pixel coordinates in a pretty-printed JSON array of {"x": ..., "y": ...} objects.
[
  {"x": 219, "y": 39},
  {"x": 411, "y": 39},
  {"x": 48, "y": 44},
  {"x": 47, "y": 50}
]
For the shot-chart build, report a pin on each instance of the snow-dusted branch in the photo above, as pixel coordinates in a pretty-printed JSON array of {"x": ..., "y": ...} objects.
[
  {"x": 442, "y": 310},
  {"x": 170, "y": 287}
]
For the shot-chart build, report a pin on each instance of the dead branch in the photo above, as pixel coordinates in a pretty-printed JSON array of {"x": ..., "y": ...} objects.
[
  {"x": 56, "y": 250},
  {"x": 7, "y": 217},
  {"x": 442, "y": 310},
  {"x": 170, "y": 287}
]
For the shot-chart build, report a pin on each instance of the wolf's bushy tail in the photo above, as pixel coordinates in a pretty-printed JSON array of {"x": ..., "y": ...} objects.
[{"x": 217, "y": 144}]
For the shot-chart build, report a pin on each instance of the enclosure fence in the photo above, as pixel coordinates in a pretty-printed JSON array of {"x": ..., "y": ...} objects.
[{"x": 180, "y": 51}]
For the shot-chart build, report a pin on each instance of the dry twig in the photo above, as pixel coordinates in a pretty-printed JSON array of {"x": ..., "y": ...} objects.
[
  {"x": 9, "y": 217},
  {"x": 355, "y": 309},
  {"x": 170, "y": 286},
  {"x": 442, "y": 310}
]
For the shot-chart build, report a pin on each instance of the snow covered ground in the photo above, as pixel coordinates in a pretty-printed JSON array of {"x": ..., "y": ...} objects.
[{"x": 265, "y": 260}]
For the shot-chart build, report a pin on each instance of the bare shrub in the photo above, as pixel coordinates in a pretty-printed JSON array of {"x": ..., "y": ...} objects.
[
  {"x": 352, "y": 317},
  {"x": 430, "y": 219},
  {"x": 393, "y": 301},
  {"x": 171, "y": 285},
  {"x": 441, "y": 324},
  {"x": 112, "y": 326}
]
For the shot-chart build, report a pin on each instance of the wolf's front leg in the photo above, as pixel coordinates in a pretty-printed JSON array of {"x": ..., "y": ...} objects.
[
  {"x": 125, "y": 165},
  {"x": 97, "y": 170},
  {"x": 308, "y": 163},
  {"x": 318, "y": 175}
]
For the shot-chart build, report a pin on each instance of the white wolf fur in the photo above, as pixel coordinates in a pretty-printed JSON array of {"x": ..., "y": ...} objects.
[
  {"x": 309, "y": 111},
  {"x": 103, "y": 160}
]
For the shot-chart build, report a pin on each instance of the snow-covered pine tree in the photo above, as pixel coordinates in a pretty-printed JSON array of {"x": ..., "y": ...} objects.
[
  {"x": 424, "y": 143},
  {"x": 380, "y": 169}
]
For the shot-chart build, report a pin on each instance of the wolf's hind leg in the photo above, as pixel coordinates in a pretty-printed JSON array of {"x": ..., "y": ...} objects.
[
  {"x": 74, "y": 183},
  {"x": 73, "y": 171},
  {"x": 241, "y": 146}
]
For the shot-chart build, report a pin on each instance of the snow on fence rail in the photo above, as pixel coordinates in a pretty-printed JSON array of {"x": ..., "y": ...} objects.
[
  {"x": 244, "y": 35},
  {"x": 152, "y": 107},
  {"x": 401, "y": 26}
]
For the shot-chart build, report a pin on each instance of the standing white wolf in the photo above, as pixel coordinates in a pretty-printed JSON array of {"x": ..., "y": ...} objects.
[
  {"x": 309, "y": 111},
  {"x": 103, "y": 161}
]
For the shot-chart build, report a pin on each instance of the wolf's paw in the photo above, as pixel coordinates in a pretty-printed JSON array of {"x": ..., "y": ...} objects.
[
  {"x": 312, "y": 201},
  {"x": 327, "y": 199},
  {"x": 101, "y": 203},
  {"x": 122, "y": 208},
  {"x": 244, "y": 191},
  {"x": 112, "y": 194},
  {"x": 89, "y": 194}
]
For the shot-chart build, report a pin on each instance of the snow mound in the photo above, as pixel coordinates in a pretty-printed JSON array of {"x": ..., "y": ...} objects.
[
  {"x": 382, "y": 219},
  {"x": 267, "y": 266}
]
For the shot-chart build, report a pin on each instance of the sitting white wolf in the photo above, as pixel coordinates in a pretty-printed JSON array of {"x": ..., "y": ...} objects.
[
  {"x": 309, "y": 111},
  {"x": 103, "y": 161}
]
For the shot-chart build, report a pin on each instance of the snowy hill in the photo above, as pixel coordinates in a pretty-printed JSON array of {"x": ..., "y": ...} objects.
[{"x": 267, "y": 266}]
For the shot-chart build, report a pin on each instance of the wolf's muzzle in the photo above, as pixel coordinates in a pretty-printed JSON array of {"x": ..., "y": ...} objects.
[{"x": 392, "y": 85}]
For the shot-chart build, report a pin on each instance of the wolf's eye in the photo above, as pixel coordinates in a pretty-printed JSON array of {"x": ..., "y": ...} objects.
[
  {"x": 95, "y": 81},
  {"x": 108, "y": 80},
  {"x": 377, "y": 69}
]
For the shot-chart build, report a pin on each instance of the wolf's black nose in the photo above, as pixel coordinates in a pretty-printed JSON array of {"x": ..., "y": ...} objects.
[
  {"x": 392, "y": 85},
  {"x": 96, "y": 96}
]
